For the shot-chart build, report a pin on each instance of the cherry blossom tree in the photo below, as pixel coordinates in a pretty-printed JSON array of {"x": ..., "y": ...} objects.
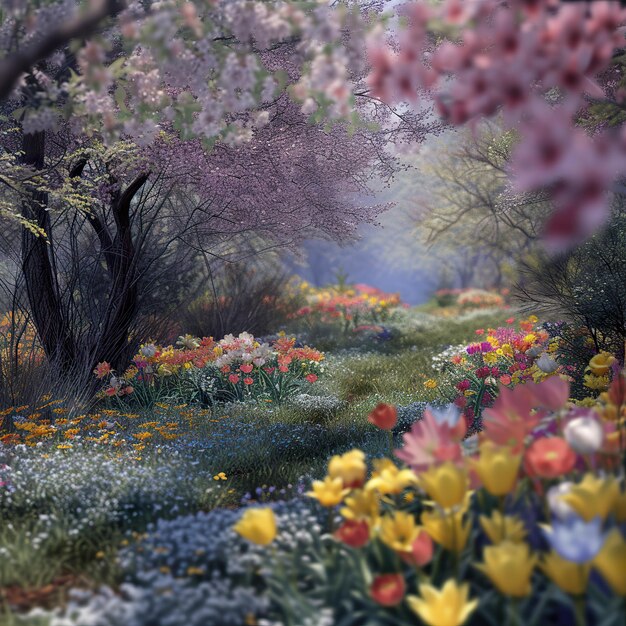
[{"x": 535, "y": 63}]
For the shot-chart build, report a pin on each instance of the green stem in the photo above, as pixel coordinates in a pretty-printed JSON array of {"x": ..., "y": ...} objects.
[
  {"x": 390, "y": 438},
  {"x": 512, "y": 615},
  {"x": 579, "y": 610}
]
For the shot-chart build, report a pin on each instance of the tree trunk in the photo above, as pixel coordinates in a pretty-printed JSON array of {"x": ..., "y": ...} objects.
[
  {"x": 52, "y": 327},
  {"x": 120, "y": 257}
]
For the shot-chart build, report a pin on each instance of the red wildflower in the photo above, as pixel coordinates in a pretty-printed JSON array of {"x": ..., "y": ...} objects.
[
  {"x": 247, "y": 368},
  {"x": 385, "y": 416},
  {"x": 233, "y": 378},
  {"x": 248, "y": 381},
  {"x": 311, "y": 377}
]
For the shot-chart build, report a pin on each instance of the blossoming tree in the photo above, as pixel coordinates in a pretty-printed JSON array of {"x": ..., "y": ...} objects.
[
  {"x": 191, "y": 134},
  {"x": 541, "y": 65}
]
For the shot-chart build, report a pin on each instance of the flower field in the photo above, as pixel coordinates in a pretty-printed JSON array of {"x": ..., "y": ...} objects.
[{"x": 445, "y": 475}]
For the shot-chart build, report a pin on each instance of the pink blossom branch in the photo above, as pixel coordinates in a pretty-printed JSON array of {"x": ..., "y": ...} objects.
[{"x": 83, "y": 25}]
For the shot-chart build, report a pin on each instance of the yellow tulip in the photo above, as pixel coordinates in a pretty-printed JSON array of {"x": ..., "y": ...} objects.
[
  {"x": 611, "y": 562},
  {"x": 501, "y": 528},
  {"x": 593, "y": 497},
  {"x": 362, "y": 505},
  {"x": 387, "y": 478},
  {"x": 257, "y": 526},
  {"x": 399, "y": 531},
  {"x": 566, "y": 575},
  {"x": 619, "y": 508},
  {"x": 446, "y": 484},
  {"x": 447, "y": 529},
  {"x": 497, "y": 467},
  {"x": 447, "y": 606},
  {"x": 350, "y": 467},
  {"x": 601, "y": 363},
  {"x": 328, "y": 492},
  {"x": 509, "y": 566}
]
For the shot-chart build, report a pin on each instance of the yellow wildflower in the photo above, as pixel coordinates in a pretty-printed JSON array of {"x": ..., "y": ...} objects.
[{"x": 597, "y": 383}]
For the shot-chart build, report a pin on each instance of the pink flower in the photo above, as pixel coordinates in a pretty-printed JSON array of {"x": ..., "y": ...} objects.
[
  {"x": 433, "y": 441},
  {"x": 246, "y": 369},
  {"x": 248, "y": 381},
  {"x": 283, "y": 368},
  {"x": 311, "y": 377},
  {"x": 509, "y": 420},
  {"x": 233, "y": 378}
]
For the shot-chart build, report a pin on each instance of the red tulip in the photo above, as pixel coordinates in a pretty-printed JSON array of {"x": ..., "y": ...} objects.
[
  {"x": 421, "y": 552},
  {"x": 354, "y": 533},
  {"x": 385, "y": 416},
  {"x": 388, "y": 589}
]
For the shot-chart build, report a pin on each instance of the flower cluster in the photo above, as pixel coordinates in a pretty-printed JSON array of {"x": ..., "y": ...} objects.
[
  {"x": 512, "y": 58},
  {"x": 524, "y": 509},
  {"x": 504, "y": 356},
  {"x": 234, "y": 368},
  {"x": 468, "y": 299},
  {"x": 356, "y": 308}
]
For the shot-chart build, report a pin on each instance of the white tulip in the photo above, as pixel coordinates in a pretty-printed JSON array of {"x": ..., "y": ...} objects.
[
  {"x": 555, "y": 494},
  {"x": 584, "y": 434}
]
